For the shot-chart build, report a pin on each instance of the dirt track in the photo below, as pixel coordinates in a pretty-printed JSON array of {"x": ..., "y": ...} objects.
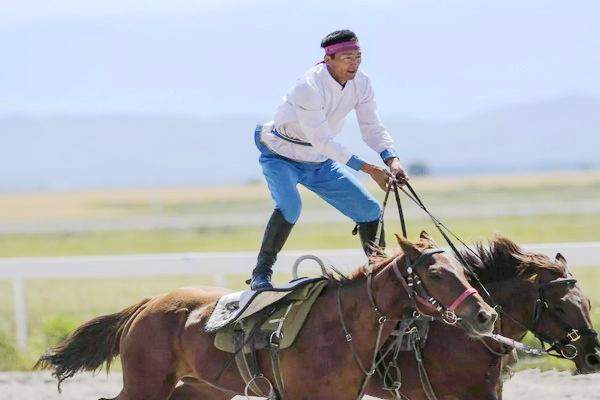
[{"x": 530, "y": 384}]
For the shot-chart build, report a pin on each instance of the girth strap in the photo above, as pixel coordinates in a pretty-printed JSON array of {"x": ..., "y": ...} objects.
[
  {"x": 274, "y": 343},
  {"x": 246, "y": 364},
  {"x": 274, "y": 351}
]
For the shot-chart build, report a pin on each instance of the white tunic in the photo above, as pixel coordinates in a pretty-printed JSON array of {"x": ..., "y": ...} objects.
[{"x": 313, "y": 112}]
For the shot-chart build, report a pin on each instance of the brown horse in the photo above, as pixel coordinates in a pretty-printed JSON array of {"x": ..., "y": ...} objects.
[
  {"x": 462, "y": 368},
  {"x": 161, "y": 340},
  {"x": 517, "y": 280}
]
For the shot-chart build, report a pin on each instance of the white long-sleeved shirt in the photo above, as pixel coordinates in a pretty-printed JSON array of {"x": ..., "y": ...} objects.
[{"x": 312, "y": 114}]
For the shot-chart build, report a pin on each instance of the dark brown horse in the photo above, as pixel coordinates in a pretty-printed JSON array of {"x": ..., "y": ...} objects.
[
  {"x": 161, "y": 340},
  {"x": 462, "y": 368}
]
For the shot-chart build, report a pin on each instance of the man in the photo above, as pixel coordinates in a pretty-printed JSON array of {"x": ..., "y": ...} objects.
[{"x": 299, "y": 147}]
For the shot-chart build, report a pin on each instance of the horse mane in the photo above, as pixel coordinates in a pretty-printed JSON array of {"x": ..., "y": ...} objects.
[{"x": 503, "y": 259}]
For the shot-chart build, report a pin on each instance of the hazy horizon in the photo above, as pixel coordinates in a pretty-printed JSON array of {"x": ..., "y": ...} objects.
[
  {"x": 109, "y": 93},
  {"x": 121, "y": 150}
]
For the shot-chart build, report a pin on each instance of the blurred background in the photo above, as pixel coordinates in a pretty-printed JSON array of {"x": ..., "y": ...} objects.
[{"x": 126, "y": 129}]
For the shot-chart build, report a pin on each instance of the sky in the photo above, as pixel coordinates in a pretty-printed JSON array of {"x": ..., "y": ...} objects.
[{"x": 428, "y": 59}]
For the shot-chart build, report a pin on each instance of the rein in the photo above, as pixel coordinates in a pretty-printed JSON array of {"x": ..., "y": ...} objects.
[
  {"x": 563, "y": 347},
  {"x": 416, "y": 292},
  {"x": 444, "y": 231}
]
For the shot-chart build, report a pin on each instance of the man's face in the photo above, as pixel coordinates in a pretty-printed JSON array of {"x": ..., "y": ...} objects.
[{"x": 344, "y": 65}]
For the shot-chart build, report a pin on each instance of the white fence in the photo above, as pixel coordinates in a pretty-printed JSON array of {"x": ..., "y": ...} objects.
[{"x": 217, "y": 265}]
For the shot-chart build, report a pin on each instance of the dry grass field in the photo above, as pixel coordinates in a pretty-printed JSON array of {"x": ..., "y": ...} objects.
[
  {"x": 99, "y": 204},
  {"x": 534, "y": 208}
]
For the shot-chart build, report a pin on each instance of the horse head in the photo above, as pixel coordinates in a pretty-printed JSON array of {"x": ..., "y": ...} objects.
[
  {"x": 563, "y": 314},
  {"x": 541, "y": 295},
  {"x": 440, "y": 282}
]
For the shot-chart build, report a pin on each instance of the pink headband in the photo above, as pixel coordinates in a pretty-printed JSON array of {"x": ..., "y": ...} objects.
[{"x": 342, "y": 46}]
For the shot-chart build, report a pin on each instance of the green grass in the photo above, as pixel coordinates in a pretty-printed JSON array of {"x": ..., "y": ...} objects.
[
  {"x": 57, "y": 306},
  {"x": 535, "y": 228}
]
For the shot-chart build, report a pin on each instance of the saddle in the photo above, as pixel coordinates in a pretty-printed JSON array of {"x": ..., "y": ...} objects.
[
  {"x": 248, "y": 321},
  {"x": 241, "y": 305}
]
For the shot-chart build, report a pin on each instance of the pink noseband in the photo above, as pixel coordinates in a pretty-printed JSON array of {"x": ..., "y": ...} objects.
[{"x": 469, "y": 292}]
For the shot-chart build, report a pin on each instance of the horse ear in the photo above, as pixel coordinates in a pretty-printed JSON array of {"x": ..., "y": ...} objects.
[
  {"x": 562, "y": 261},
  {"x": 560, "y": 258},
  {"x": 426, "y": 237},
  {"x": 408, "y": 248}
]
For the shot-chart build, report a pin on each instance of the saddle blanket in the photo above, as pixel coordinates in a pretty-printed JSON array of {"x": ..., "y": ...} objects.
[
  {"x": 240, "y": 305},
  {"x": 284, "y": 319}
]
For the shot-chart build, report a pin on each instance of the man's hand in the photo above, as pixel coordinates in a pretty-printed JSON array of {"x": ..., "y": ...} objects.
[
  {"x": 397, "y": 170},
  {"x": 380, "y": 175}
]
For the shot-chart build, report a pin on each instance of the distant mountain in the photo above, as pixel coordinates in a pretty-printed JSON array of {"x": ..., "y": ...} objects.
[
  {"x": 560, "y": 133},
  {"x": 61, "y": 152},
  {"x": 110, "y": 151}
]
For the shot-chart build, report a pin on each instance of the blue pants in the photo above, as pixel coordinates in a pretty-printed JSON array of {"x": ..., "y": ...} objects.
[{"x": 330, "y": 180}]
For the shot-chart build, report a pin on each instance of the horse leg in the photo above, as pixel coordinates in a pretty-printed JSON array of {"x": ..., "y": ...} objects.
[
  {"x": 148, "y": 377},
  {"x": 149, "y": 358}
]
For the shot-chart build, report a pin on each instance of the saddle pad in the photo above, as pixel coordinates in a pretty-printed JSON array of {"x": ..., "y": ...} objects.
[
  {"x": 240, "y": 305},
  {"x": 299, "y": 301}
]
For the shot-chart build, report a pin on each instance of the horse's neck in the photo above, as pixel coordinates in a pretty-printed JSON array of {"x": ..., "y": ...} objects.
[
  {"x": 360, "y": 317},
  {"x": 520, "y": 311},
  {"x": 390, "y": 296}
]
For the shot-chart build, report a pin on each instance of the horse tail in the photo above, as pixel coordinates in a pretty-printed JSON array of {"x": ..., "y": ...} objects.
[{"x": 90, "y": 346}]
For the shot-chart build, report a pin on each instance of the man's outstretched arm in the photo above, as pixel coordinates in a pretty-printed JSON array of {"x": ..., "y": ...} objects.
[{"x": 374, "y": 133}]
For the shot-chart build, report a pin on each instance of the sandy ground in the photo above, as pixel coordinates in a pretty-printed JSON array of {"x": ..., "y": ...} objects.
[{"x": 531, "y": 384}]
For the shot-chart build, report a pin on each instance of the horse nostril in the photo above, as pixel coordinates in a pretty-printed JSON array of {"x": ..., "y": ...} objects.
[
  {"x": 593, "y": 360},
  {"x": 484, "y": 317}
]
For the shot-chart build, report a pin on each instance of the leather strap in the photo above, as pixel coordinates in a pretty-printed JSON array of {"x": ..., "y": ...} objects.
[
  {"x": 347, "y": 334},
  {"x": 381, "y": 323},
  {"x": 423, "y": 376},
  {"x": 380, "y": 231},
  {"x": 456, "y": 303},
  {"x": 415, "y": 297},
  {"x": 400, "y": 212},
  {"x": 274, "y": 351},
  {"x": 246, "y": 366}
]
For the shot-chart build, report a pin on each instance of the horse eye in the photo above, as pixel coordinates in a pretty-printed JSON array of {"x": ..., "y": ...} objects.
[
  {"x": 559, "y": 309},
  {"x": 435, "y": 274}
]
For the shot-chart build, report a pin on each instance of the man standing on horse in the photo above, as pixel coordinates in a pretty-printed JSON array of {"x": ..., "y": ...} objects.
[{"x": 299, "y": 147}]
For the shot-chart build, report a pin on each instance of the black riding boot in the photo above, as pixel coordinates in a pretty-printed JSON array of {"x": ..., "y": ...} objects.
[
  {"x": 276, "y": 233},
  {"x": 367, "y": 232}
]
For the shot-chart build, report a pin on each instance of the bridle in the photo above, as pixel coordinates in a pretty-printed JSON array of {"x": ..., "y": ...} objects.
[
  {"x": 564, "y": 347},
  {"x": 417, "y": 293},
  {"x": 560, "y": 348}
]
